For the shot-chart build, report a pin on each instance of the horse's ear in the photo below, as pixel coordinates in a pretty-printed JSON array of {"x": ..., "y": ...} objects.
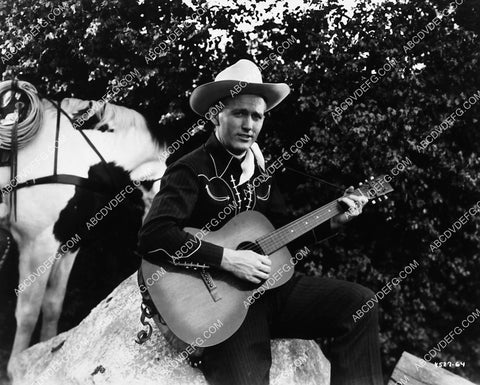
[{"x": 92, "y": 122}]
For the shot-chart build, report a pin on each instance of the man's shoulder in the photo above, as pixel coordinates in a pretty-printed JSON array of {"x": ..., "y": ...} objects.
[{"x": 195, "y": 159}]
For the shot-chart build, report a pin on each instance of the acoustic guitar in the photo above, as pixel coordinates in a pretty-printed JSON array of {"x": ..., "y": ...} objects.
[{"x": 191, "y": 301}]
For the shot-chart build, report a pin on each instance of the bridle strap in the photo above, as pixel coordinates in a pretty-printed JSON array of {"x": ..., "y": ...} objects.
[
  {"x": 14, "y": 153},
  {"x": 84, "y": 136},
  {"x": 89, "y": 142},
  {"x": 57, "y": 133}
]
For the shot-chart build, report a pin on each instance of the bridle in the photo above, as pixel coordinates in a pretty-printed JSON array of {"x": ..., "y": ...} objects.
[{"x": 55, "y": 177}]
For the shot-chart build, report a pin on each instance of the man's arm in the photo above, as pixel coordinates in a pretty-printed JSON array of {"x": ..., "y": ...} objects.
[{"x": 162, "y": 236}]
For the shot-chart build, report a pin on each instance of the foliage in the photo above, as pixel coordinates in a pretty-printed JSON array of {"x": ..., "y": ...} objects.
[{"x": 92, "y": 45}]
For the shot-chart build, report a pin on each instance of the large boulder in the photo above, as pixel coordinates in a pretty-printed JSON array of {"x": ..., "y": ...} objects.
[{"x": 102, "y": 350}]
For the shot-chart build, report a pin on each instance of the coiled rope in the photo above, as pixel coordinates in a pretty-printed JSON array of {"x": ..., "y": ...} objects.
[{"x": 11, "y": 91}]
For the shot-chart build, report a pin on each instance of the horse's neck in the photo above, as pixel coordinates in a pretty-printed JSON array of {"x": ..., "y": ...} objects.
[{"x": 129, "y": 149}]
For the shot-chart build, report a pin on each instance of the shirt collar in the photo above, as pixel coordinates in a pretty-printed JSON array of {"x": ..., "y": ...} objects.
[{"x": 222, "y": 157}]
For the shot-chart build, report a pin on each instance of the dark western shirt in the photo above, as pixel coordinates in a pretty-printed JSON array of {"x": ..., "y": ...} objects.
[{"x": 201, "y": 190}]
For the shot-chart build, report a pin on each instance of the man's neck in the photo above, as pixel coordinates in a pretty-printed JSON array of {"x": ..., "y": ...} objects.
[{"x": 239, "y": 157}]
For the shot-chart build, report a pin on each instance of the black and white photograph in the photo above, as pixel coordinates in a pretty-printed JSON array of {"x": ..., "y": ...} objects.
[{"x": 240, "y": 192}]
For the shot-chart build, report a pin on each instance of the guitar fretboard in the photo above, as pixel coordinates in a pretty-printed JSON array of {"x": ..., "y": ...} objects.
[{"x": 286, "y": 234}]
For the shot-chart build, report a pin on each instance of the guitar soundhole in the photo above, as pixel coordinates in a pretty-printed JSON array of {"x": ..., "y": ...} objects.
[{"x": 250, "y": 246}]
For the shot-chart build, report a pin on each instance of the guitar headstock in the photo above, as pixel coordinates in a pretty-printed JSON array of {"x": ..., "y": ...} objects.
[{"x": 374, "y": 188}]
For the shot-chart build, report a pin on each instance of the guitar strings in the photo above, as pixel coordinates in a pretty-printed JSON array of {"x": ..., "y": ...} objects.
[
  {"x": 282, "y": 234},
  {"x": 277, "y": 237}
]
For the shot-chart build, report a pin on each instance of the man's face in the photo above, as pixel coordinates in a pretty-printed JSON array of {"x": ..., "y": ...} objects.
[{"x": 240, "y": 122}]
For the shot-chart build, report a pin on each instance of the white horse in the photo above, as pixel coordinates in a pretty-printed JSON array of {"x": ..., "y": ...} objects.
[{"x": 51, "y": 217}]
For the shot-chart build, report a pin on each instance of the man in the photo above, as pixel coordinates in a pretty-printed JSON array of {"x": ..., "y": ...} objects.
[{"x": 199, "y": 186}]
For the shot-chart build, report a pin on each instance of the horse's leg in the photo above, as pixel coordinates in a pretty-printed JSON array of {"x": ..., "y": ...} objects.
[
  {"x": 55, "y": 294},
  {"x": 33, "y": 277}
]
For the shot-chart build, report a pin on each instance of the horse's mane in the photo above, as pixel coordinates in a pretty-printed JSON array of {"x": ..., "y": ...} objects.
[{"x": 120, "y": 117}]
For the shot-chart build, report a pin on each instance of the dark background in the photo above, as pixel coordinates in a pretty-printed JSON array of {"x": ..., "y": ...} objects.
[{"x": 94, "y": 42}]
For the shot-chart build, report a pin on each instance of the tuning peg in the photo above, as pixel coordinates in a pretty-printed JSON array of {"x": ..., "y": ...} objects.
[
  {"x": 366, "y": 180},
  {"x": 371, "y": 177},
  {"x": 360, "y": 184},
  {"x": 373, "y": 202}
]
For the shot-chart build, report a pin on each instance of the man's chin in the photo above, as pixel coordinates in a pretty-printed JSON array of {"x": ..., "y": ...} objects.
[{"x": 240, "y": 148}]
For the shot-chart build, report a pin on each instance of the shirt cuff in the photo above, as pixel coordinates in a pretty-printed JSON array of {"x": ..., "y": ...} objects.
[{"x": 211, "y": 254}]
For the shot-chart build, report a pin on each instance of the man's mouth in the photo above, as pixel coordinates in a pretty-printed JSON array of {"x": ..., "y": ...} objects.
[{"x": 245, "y": 136}]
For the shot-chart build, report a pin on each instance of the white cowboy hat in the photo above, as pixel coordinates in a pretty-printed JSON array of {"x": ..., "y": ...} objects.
[{"x": 247, "y": 77}]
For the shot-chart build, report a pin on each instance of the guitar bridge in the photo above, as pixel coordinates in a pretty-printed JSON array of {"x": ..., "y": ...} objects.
[{"x": 212, "y": 288}]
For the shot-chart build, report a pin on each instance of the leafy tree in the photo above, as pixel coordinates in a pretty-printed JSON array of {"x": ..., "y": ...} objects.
[{"x": 92, "y": 45}]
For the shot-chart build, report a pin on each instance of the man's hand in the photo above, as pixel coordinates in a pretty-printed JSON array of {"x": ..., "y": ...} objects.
[
  {"x": 354, "y": 205},
  {"x": 246, "y": 264}
]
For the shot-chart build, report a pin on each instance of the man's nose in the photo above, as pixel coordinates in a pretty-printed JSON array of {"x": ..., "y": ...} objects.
[{"x": 247, "y": 123}]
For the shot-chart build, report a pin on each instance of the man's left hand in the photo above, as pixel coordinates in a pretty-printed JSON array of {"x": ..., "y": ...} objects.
[{"x": 354, "y": 205}]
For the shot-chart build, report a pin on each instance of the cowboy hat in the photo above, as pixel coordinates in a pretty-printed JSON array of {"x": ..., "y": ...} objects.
[{"x": 241, "y": 77}]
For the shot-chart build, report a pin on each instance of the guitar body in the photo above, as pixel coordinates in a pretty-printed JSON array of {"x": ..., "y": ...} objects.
[{"x": 183, "y": 299}]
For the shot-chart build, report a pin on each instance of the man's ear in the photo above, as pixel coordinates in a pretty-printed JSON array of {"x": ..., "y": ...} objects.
[{"x": 214, "y": 119}]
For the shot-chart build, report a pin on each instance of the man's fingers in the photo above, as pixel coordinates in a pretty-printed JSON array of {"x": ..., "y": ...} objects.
[
  {"x": 262, "y": 275},
  {"x": 254, "y": 280},
  {"x": 347, "y": 202},
  {"x": 264, "y": 268},
  {"x": 358, "y": 198},
  {"x": 348, "y": 190},
  {"x": 353, "y": 201},
  {"x": 353, "y": 204},
  {"x": 265, "y": 260}
]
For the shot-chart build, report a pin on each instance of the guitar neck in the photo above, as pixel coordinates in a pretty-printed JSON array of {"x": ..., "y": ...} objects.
[{"x": 286, "y": 234}]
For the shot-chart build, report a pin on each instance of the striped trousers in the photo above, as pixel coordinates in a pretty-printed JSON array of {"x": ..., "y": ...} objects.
[{"x": 305, "y": 308}]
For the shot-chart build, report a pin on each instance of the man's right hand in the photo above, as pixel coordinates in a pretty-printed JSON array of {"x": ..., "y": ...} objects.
[{"x": 246, "y": 264}]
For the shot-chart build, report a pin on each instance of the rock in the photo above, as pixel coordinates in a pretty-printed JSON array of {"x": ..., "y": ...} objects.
[
  {"x": 414, "y": 370},
  {"x": 102, "y": 350}
]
